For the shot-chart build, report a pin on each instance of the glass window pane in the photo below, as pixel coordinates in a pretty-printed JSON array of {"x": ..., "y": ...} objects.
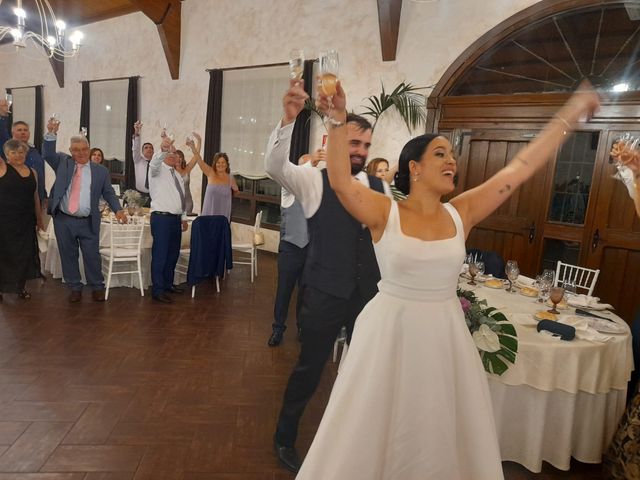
[
  {"x": 270, "y": 212},
  {"x": 573, "y": 177},
  {"x": 24, "y": 107},
  {"x": 554, "y": 250},
  {"x": 244, "y": 184},
  {"x": 108, "y": 117},
  {"x": 269, "y": 187},
  {"x": 241, "y": 209}
]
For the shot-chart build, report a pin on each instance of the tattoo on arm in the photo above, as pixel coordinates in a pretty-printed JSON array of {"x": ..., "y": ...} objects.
[{"x": 505, "y": 189}]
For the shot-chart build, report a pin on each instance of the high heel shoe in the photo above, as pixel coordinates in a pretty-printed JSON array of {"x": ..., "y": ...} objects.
[{"x": 24, "y": 295}]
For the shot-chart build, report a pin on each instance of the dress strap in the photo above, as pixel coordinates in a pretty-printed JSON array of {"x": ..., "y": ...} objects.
[
  {"x": 456, "y": 219},
  {"x": 393, "y": 221}
]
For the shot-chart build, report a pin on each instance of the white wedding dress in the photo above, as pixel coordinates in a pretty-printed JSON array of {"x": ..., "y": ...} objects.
[{"x": 411, "y": 401}]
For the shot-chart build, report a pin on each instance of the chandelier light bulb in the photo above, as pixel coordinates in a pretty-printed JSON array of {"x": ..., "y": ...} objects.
[
  {"x": 16, "y": 34},
  {"x": 75, "y": 38},
  {"x": 51, "y": 40},
  {"x": 20, "y": 13},
  {"x": 60, "y": 25}
]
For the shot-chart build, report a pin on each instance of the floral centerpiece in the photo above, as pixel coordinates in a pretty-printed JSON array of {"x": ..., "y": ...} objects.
[
  {"x": 132, "y": 198},
  {"x": 494, "y": 336}
]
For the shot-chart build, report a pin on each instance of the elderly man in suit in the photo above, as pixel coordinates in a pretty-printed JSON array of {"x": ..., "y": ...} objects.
[{"x": 73, "y": 204}]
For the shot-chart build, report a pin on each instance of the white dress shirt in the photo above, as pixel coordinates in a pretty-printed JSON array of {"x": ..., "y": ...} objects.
[
  {"x": 162, "y": 187},
  {"x": 140, "y": 165},
  {"x": 305, "y": 184}
]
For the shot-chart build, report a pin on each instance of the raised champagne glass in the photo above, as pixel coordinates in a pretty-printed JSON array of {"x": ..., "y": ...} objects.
[
  {"x": 296, "y": 64},
  {"x": 9, "y": 98},
  {"x": 329, "y": 67}
]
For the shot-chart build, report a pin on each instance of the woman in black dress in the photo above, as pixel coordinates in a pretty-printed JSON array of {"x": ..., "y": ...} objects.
[{"x": 19, "y": 216}]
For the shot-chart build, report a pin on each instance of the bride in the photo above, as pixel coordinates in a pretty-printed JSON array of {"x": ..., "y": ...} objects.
[{"x": 411, "y": 401}]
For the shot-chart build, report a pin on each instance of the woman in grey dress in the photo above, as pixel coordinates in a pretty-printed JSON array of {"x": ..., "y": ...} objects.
[{"x": 220, "y": 183}]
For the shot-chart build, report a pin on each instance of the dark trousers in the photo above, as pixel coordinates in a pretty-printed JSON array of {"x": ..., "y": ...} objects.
[
  {"x": 167, "y": 235},
  {"x": 321, "y": 318},
  {"x": 71, "y": 233},
  {"x": 290, "y": 265}
]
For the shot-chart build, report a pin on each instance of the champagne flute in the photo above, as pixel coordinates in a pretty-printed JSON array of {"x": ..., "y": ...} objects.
[
  {"x": 480, "y": 267},
  {"x": 55, "y": 117},
  {"x": 296, "y": 64},
  {"x": 556, "y": 296},
  {"x": 9, "y": 98},
  {"x": 83, "y": 131},
  {"x": 329, "y": 66}
]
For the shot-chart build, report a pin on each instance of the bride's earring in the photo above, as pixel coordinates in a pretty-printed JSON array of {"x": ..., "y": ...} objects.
[{"x": 416, "y": 177}]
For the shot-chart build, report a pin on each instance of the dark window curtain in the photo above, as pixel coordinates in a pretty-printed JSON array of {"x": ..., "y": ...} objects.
[
  {"x": 10, "y": 118},
  {"x": 84, "y": 107},
  {"x": 38, "y": 128},
  {"x": 213, "y": 125},
  {"x": 132, "y": 117},
  {"x": 302, "y": 127}
]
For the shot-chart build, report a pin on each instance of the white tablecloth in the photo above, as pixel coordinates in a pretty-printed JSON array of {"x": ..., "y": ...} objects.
[
  {"x": 560, "y": 399},
  {"x": 53, "y": 265}
]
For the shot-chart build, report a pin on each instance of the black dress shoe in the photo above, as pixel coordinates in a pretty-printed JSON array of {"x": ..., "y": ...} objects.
[
  {"x": 163, "y": 297},
  {"x": 175, "y": 289},
  {"x": 275, "y": 339},
  {"x": 288, "y": 456}
]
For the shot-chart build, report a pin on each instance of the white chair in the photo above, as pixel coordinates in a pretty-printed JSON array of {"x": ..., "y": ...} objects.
[
  {"x": 182, "y": 267},
  {"x": 125, "y": 247},
  {"x": 581, "y": 277},
  {"x": 251, "y": 249}
]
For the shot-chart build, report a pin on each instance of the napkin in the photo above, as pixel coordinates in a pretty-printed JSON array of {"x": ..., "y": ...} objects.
[
  {"x": 526, "y": 281},
  {"x": 43, "y": 241},
  {"x": 583, "y": 330},
  {"x": 586, "y": 301}
]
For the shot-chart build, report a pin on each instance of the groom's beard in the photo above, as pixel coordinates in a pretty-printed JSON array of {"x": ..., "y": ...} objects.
[{"x": 357, "y": 164}]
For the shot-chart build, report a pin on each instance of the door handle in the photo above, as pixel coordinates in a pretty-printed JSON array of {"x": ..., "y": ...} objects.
[
  {"x": 532, "y": 231},
  {"x": 595, "y": 240}
]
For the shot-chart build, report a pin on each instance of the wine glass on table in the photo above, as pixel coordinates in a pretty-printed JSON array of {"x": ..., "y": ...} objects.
[
  {"x": 296, "y": 64},
  {"x": 473, "y": 271},
  {"x": 556, "y": 294},
  {"x": 513, "y": 272}
]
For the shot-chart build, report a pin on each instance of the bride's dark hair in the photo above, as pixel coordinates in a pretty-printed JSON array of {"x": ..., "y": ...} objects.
[{"x": 413, "y": 150}]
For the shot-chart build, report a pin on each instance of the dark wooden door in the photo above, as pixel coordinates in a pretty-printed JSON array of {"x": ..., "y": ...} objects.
[
  {"x": 513, "y": 230},
  {"x": 614, "y": 240}
]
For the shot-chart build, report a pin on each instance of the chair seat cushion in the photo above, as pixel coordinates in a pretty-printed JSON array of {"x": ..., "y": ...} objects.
[{"x": 120, "y": 252}]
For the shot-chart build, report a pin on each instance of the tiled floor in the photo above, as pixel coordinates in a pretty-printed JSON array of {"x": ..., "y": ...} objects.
[{"x": 132, "y": 389}]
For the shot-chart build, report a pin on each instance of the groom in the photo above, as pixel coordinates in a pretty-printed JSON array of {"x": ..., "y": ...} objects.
[{"x": 340, "y": 274}]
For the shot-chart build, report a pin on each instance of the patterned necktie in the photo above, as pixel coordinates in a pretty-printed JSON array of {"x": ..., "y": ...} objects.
[
  {"x": 146, "y": 178},
  {"x": 175, "y": 180},
  {"x": 74, "y": 195}
]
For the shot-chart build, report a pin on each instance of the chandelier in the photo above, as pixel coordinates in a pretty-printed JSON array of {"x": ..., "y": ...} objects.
[{"x": 52, "y": 31}]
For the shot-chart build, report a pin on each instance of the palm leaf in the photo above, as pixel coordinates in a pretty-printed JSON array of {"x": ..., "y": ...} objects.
[{"x": 407, "y": 99}]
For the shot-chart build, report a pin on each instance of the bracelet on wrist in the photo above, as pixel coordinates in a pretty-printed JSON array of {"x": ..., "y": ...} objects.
[
  {"x": 333, "y": 123},
  {"x": 566, "y": 124}
]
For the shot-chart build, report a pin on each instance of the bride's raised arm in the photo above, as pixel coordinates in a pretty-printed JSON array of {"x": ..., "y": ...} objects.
[
  {"x": 478, "y": 203},
  {"x": 365, "y": 205}
]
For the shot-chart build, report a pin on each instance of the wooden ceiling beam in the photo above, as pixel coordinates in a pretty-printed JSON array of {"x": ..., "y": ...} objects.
[
  {"x": 389, "y": 22},
  {"x": 166, "y": 14}
]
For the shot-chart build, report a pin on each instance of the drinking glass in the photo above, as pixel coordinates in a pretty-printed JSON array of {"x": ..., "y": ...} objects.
[
  {"x": 556, "y": 296},
  {"x": 473, "y": 271},
  {"x": 329, "y": 65},
  {"x": 83, "y": 131},
  {"x": 513, "y": 272},
  {"x": 296, "y": 64},
  {"x": 626, "y": 143},
  {"x": 55, "y": 117},
  {"x": 9, "y": 98},
  {"x": 480, "y": 266}
]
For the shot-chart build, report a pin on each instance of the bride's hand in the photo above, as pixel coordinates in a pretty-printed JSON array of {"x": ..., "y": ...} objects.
[{"x": 332, "y": 104}]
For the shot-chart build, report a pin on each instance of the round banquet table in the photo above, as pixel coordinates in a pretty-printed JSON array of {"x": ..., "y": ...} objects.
[
  {"x": 561, "y": 399},
  {"x": 52, "y": 264}
]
